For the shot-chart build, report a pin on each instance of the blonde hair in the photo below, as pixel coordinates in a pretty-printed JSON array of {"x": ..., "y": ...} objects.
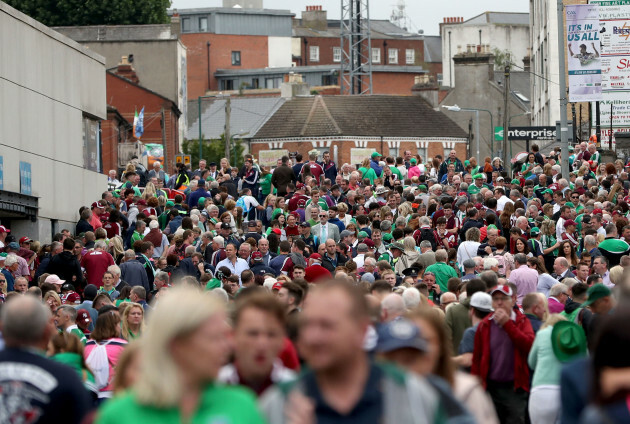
[
  {"x": 54, "y": 295},
  {"x": 126, "y": 360},
  {"x": 116, "y": 245},
  {"x": 552, "y": 320},
  {"x": 149, "y": 191},
  {"x": 125, "y": 317},
  {"x": 616, "y": 274},
  {"x": 179, "y": 313}
]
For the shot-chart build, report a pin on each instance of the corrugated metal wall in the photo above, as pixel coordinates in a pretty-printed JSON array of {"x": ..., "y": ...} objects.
[{"x": 240, "y": 24}]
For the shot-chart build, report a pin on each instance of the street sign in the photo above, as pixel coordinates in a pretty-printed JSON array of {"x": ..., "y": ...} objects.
[
  {"x": 532, "y": 133},
  {"x": 182, "y": 159},
  {"x": 569, "y": 130},
  {"x": 25, "y": 178},
  {"x": 498, "y": 133}
]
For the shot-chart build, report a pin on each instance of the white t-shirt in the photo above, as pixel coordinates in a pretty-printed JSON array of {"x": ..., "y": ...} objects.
[{"x": 250, "y": 202}]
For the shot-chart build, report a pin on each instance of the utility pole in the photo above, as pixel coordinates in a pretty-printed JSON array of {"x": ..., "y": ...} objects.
[
  {"x": 163, "y": 122},
  {"x": 564, "y": 130},
  {"x": 228, "y": 112},
  {"x": 506, "y": 122}
]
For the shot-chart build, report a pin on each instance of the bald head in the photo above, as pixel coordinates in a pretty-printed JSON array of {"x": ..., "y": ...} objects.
[
  {"x": 393, "y": 307},
  {"x": 26, "y": 322}
]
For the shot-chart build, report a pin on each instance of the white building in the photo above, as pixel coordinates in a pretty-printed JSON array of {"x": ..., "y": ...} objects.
[
  {"x": 52, "y": 98},
  {"x": 504, "y": 31}
]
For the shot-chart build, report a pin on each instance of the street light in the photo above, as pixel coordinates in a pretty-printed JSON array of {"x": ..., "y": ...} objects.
[
  {"x": 456, "y": 108},
  {"x": 510, "y": 126}
]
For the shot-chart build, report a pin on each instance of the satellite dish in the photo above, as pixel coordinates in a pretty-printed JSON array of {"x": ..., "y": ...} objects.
[{"x": 421, "y": 31}]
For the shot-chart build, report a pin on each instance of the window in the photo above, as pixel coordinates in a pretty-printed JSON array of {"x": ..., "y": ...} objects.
[
  {"x": 393, "y": 56},
  {"x": 330, "y": 80},
  {"x": 422, "y": 151},
  {"x": 227, "y": 84},
  {"x": 376, "y": 55},
  {"x": 236, "y": 58},
  {"x": 203, "y": 24},
  {"x": 447, "y": 151},
  {"x": 440, "y": 80},
  {"x": 255, "y": 83},
  {"x": 314, "y": 54},
  {"x": 393, "y": 151},
  {"x": 91, "y": 144},
  {"x": 186, "y": 25},
  {"x": 410, "y": 56},
  {"x": 336, "y": 54}
]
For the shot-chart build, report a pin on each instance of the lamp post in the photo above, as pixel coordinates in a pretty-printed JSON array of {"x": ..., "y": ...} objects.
[
  {"x": 505, "y": 136},
  {"x": 456, "y": 108}
]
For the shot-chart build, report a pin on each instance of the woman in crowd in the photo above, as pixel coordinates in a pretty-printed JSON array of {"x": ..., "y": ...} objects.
[
  {"x": 66, "y": 348},
  {"x": 132, "y": 321},
  {"x": 468, "y": 248},
  {"x": 107, "y": 345},
  {"x": 187, "y": 341},
  {"x": 520, "y": 246},
  {"x": 568, "y": 251},
  {"x": 53, "y": 301}
]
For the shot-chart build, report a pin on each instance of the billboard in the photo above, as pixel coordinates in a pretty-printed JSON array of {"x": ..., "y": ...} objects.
[
  {"x": 583, "y": 53},
  {"x": 358, "y": 155},
  {"x": 614, "y": 32},
  {"x": 270, "y": 157}
]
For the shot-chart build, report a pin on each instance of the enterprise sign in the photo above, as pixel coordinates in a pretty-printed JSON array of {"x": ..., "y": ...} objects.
[{"x": 532, "y": 133}]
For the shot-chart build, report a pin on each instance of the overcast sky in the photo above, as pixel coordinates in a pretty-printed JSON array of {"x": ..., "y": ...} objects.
[{"x": 425, "y": 15}]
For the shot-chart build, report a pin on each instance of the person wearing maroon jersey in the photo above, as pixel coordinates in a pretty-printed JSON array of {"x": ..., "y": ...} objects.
[
  {"x": 112, "y": 226},
  {"x": 95, "y": 263},
  {"x": 316, "y": 169},
  {"x": 300, "y": 194},
  {"x": 315, "y": 272}
]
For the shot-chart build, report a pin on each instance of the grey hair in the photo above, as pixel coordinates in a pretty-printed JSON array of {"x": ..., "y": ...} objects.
[
  {"x": 24, "y": 321},
  {"x": 424, "y": 220},
  {"x": 161, "y": 275},
  {"x": 130, "y": 254},
  {"x": 10, "y": 260},
  {"x": 441, "y": 255},
  {"x": 411, "y": 297},
  {"x": 557, "y": 289},
  {"x": 590, "y": 240},
  {"x": 520, "y": 258},
  {"x": 488, "y": 263},
  {"x": 426, "y": 244},
  {"x": 114, "y": 269},
  {"x": 190, "y": 250},
  {"x": 100, "y": 244}
]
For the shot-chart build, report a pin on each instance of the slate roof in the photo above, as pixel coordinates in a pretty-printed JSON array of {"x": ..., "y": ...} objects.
[
  {"x": 380, "y": 29},
  {"x": 358, "y": 116},
  {"x": 499, "y": 18},
  {"x": 519, "y": 85},
  {"x": 433, "y": 49},
  {"x": 248, "y": 115}
]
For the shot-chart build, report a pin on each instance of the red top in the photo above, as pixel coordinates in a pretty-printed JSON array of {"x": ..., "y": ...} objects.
[
  {"x": 95, "y": 263},
  {"x": 288, "y": 355},
  {"x": 315, "y": 273}
]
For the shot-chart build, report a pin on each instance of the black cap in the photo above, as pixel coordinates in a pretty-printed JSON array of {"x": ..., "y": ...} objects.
[
  {"x": 305, "y": 224},
  {"x": 249, "y": 224},
  {"x": 212, "y": 164},
  {"x": 90, "y": 291},
  {"x": 225, "y": 226},
  {"x": 67, "y": 287}
]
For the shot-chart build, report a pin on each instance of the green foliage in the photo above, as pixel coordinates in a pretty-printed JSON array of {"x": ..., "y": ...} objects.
[
  {"x": 94, "y": 12},
  {"x": 214, "y": 150},
  {"x": 501, "y": 58}
]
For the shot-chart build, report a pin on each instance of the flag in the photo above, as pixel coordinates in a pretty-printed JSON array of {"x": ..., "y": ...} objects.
[{"x": 138, "y": 123}]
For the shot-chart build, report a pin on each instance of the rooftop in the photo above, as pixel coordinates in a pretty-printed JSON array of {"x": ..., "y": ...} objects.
[
  {"x": 230, "y": 11},
  {"x": 432, "y": 48},
  {"x": 360, "y": 116},
  {"x": 314, "y": 69},
  {"x": 499, "y": 18},
  {"x": 117, "y": 32},
  {"x": 380, "y": 29}
]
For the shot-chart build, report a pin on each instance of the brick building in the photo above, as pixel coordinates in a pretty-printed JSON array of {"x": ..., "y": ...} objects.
[
  {"x": 351, "y": 127},
  {"x": 161, "y": 116},
  {"x": 115, "y": 130}
]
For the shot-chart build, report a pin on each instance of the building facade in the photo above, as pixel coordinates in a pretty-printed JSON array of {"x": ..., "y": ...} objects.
[
  {"x": 507, "y": 32},
  {"x": 51, "y": 169}
]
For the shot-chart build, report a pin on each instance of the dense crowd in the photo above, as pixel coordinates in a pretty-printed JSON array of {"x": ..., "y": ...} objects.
[{"x": 396, "y": 291}]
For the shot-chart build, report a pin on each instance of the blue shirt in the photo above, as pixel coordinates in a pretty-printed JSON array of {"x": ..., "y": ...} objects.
[{"x": 467, "y": 345}]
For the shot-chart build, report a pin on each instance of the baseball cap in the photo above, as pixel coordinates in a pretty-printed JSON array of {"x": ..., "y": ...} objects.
[
  {"x": 97, "y": 205},
  {"x": 141, "y": 202},
  {"x": 387, "y": 237},
  {"x": 362, "y": 235},
  {"x": 345, "y": 233},
  {"x": 479, "y": 177},
  {"x": 301, "y": 203},
  {"x": 13, "y": 246},
  {"x": 277, "y": 231},
  {"x": 369, "y": 277},
  {"x": 225, "y": 226},
  {"x": 569, "y": 222},
  {"x": 257, "y": 257},
  {"x": 597, "y": 211},
  {"x": 535, "y": 231},
  {"x": 305, "y": 224},
  {"x": 276, "y": 286},
  {"x": 54, "y": 279},
  {"x": 90, "y": 291},
  {"x": 502, "y": 288},
  {"x": 170, "y": 204},
  {"x": 547, "y": 191},
  {"x": 482, "y": 301},
  {"x": 250, "y": 224},
  {"x": 515, "y": 181},
  {"x": 397, "y": 245},
  {"x": 569, "y": 204},
  {"x": 25, "y": 240},
  {"x": 67, "y": 286},
  {"x": 422, "y": 187},
  {"x": 71, "y": 299},
  {"x": 316, "y": 256},
  {"x": 400, "y": 334},
  {"x": 413, "y": 161},
  {"x": 500, "y": 178},
  {"x": 299, "y": 186},
  {"x": 568, "y": 341},
  {"x": 83, "y": 316},
  {"x": 596, "y": 292},
  {"x": 4, "y": 229},
  {"x": 376, "y": 155},
  {"x": 201, "y": 201},
  {"x": 369, "y": 243}
]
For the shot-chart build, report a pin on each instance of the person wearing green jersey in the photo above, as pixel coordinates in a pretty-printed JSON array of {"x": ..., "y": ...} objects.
[
  {"x": 367, "y": 171},
  {"x": 185, "y": 345},
  {"x": 67, "y": 349},
  {"x": 66, "y": 320}
]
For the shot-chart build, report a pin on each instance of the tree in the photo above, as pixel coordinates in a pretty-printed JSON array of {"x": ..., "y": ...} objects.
[
  {"x": 94, "y": 12},
  {"x": 501, "y": 58},
  {"x": 214, "y": 150}
]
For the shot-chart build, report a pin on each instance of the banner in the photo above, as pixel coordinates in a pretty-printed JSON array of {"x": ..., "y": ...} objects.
[
  {"x": 138, "y": 123},
  {"x": 358, "y": 155},
  {"x": 621, "y": 113},
  {"x": 614, "y": 21},
  {"x": 583, "y": 53},
  {"x": 270, "y": 157},
  {"x": 532, "y": 133}
]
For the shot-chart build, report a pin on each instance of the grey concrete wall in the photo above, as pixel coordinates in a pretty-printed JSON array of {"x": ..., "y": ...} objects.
[{"x": 47, "y": 84}]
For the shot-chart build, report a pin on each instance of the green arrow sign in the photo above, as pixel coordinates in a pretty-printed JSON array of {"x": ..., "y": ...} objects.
[{"x": 498, "y": 133}]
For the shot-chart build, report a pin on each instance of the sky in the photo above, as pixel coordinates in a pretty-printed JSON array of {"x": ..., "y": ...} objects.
[{"x": 425, "y": 15}]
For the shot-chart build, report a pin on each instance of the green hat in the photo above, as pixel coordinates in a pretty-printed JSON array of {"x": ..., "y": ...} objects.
[
  {"x": 215, "y": 283},
  {"x": 568, "y": 341},
  {"x": 479, "y": 177},
  {"x": 413, "y": 160},
  {"x": 170, "y": 204},
  {"x": 376, "y": 155},
  {"x": 492, "y": 227},
  {"x": 534, "y": 231},
  {"x": 515, "y": 181},
  {"x": 387, "y": 237},
  {"x": 466, "y": 162},
  {"x": 116, "y": 193},
  {"x": 571, "y": 148},
  {"x": 570, "y": 204},
  {"x": 422, "y": 187},
  {"x": 201, "y": 201},
  {"x": 362, "y": 234},
  {"x": 397, "y": 245},
  {"x": 596, "y": 292},
  {"x": 547, "y": 191}
]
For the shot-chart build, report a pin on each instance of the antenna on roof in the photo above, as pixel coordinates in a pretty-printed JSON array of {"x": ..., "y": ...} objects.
[{"x": 399, "y": 15}]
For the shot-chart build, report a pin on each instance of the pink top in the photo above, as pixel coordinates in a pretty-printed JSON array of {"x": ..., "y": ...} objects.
[
  {"x": 114, "y": 349},
  {"x": 555, "y": 307}
]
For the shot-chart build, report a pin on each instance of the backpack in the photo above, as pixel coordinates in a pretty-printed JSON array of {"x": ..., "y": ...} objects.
[
  {"x": 98, "y": 361},
  {"x": 501, "y": 260},
  {"x": 241, "y": 203},
  {"x": 425, "y": 234}
]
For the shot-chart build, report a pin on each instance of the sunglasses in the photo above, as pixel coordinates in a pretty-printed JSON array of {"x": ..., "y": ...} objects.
[{"x": 323, "y": 216}]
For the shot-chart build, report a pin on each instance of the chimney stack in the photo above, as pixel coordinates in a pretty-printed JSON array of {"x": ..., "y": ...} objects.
[
  {"x": 315, "y": 17},
  {"x": 293, "y": 86},
  {"x": 176, "y": 28},
  {"x": 125, "y": 70},
  {"x": 426, "y": 87}
]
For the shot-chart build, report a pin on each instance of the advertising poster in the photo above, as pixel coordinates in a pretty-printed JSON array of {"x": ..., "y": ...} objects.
[
  {"x": 583, "y": 53},
  {"x": 357, "y": 155},
  {"x": 614, "y": 20},
  {"x": 270, "y": 157}
]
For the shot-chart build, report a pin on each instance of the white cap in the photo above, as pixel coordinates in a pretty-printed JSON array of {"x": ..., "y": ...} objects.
[{"x": 482, "y": 301}]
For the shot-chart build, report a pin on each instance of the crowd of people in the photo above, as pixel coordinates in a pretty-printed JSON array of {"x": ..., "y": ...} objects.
[{"x": 396, "y": 290}]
